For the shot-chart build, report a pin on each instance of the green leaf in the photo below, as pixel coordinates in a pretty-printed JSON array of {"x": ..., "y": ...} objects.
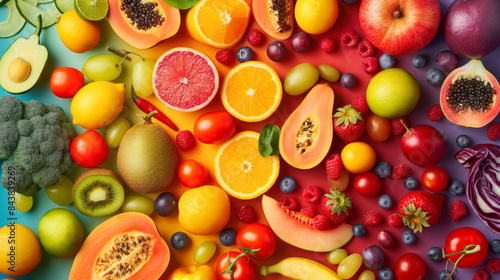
[{"x": 269, "y": 140}]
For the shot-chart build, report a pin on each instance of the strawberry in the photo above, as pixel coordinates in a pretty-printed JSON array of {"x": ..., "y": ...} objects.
[
  {"x": 336, "y": 206},
  {"x": 420, "y": 209},
  {"x": 458, "y": 210},
  {"x": 348, "y": 124},
  {"x": 333, "y": 165},
  {"x": 372, "y": 218}
]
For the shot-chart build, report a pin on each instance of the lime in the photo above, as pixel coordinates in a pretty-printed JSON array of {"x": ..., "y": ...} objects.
[{"x": 92, "y": 10}]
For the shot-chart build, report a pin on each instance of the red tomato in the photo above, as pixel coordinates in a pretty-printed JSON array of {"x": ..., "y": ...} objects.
[
  {"x": 89, "y": 149},
  {"x": 410, "y": 266},
  {"x": 257, "y": 237},
  {"x": 379, "y": 129},
  {"x": 458, "y": 239},
  {"x": 367, "y": 183},
  {"x": 66, "y": 81},
  {"x": 243, "y": 269},
  {"x": 214, "y": 127},
  {"x": 192, "y": 174},
  {"x": 435, "y": 179}
]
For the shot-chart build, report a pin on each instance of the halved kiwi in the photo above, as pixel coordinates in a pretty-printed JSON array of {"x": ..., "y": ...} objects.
[{"x": 98, "y": 195}]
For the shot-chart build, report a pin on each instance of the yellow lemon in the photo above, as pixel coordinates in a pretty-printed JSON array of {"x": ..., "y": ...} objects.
[
  {"x": 97, "y": 104},
  {"x": 21, "y": 250},
  {"x": 316, "y": 16},
  {"x": 77, "y": 34}
]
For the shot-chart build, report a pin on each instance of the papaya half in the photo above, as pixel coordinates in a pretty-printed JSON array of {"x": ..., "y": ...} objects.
[
  {"x": 143, "y": 24},
  {"x": 306, "y": 135},
  {"x": 274, "y": 17},
  {"x": 126, "y": 246}
]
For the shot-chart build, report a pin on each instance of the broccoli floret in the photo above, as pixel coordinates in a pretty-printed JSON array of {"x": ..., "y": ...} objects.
[{"x": 35, "y": 140}]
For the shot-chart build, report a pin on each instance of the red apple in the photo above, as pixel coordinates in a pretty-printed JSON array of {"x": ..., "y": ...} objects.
[
  {"x": 399, "y": 27},
  {"x": 423, "y": 145}
]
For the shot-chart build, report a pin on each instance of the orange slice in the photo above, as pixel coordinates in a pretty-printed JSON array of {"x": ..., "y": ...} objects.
[
  {"x": 251, "y": 91},
  {"x": 240, "y": 169},
  {"x": 219, "y": 24}
]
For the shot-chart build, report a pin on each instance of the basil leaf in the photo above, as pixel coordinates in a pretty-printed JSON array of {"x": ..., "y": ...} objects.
[{"x": 269, "y": 140}]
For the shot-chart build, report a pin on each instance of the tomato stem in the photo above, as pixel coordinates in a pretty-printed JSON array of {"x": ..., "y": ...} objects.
[{"x": 469, "y": 249}]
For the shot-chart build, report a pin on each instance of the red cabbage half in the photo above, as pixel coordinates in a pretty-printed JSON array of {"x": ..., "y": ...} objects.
[{"x": 483, "y": 182}]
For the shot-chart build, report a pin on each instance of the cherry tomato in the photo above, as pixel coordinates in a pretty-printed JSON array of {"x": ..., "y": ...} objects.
[
  {"x": 214, "y": 127},
  {"x": 457, "y": 241},
  {"x": 89, "y": 149},
  {"x": 257, "y": 237},
  {"x": 367, "y": 183},
  {"x": 204, "y": 272},
  {"x": 379, "y": 129},
  {"x": 66, "y": 81},
  {"x": 192, "y": 174},
  {"x": 435, "y": 179},
  {"x": 243, "y": 269},
  {"x": 410, "y": 266}
]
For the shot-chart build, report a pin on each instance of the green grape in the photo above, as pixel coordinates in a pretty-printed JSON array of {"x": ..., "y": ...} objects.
[
  {"x": 61, "y": 192},
  {"x": 136, "y": 203},
  {"x": 349, "y": 266},
  {"x": 204, "y": 252},
  {"x": 300, "y": 78},
  {"x": 329, "y": 73},
  {"x": 115, "y": 132},
  {"x": 23, "y": 203},
  {"x": 102, "y": 67},
  {"x": 142, "y": 77},
  {"x": 367, "y": 275},
  {"x": 336, "y": 256}
]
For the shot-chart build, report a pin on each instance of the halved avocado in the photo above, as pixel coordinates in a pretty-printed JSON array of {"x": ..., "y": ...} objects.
[{"x": 23, "y": 62}]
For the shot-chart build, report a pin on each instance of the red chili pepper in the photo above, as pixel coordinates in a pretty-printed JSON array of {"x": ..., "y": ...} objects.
[{"x": 147, "y": 108}]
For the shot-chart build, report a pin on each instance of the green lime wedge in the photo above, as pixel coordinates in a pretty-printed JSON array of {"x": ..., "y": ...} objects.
[{"x": 92, "y": 10}]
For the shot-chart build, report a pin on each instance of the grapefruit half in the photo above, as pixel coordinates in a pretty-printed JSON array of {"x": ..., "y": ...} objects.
[{"x": 185, "y": 79}]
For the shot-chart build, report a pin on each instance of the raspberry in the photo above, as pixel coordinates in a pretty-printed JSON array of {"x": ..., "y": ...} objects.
[
  {"x": 308, "y": 211},
  {"x": 481, "y": 274},
  {"x": 400, "y": 171},
  {"x": 369, "y": 64},
  {"x": 435, "y": 113},
  {"x": 493, "y": 131},
  {"x": 395, "y": 220},
  {"x": 255, "y": 37},
  {"x": 245, "y": 214},
  {"x": 372, "y": 218},
  {"x": 290, "y": 203},
  {"x": 397, "y": 127},
  {"x": 333, "y": 166},
  {"x": 225, "y": 56},
  {"x": 327, "y": 45},
  {"x": 458, "y": 210},
  {"x": 493, "y": 265},
  {"x": 312, "y": 194},
  {"x": 359, "y": 103},
  {"x": 185, "y": 140},
  {"x": 321, "y": 222},
  {"x": 349, "y": 38},
  {"x": 366, "y": 49}
]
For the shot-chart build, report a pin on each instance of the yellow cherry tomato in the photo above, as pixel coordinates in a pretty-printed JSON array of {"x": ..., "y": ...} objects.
[{"x": 358, "y": 157}]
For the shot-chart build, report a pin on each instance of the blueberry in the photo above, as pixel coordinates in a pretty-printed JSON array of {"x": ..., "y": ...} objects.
[
  {"x": 288, "y": 184},
  {"x": 358, "y": 230},
  {"x": 244, "y": 54},
  {"x": 386, "y": 273},
  {"x": 456, "y": 187},
  {"x": 435, "y": 77},
  {"x": 386, "y": 61},
  {"x": 495, "y": 246},
  {"x": 383, "y": 169},
  {"x": 463, "y": 141},
  {"x": 435, "y": 254},
  {"x": 444, "y": 275},
  {"x": 419, "y": 61},
  {"x": 179, "y": 240},
  {"x": 385, "y": 201},
  {"x": 411, "y": 183},
  {"x": 348, "y": 80},
  {"x": 409, "y": 237},
  {"x": 227, "y": 237}
]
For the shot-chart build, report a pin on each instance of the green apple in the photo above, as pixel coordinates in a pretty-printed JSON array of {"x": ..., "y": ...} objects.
[
  {"x": 392, "y": 93},
  {"x": 61, "y": 232}
]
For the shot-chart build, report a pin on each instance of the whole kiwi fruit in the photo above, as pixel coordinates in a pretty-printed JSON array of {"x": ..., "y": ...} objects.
[
  {"x": 97, "y": 195},
  {"x": 147, "y": 158}
]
